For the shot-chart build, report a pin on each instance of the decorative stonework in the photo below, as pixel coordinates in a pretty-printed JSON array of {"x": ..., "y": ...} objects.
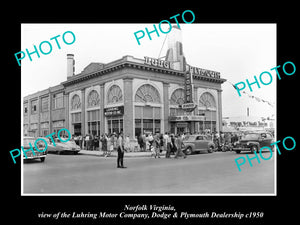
[{"x": 75, "y": 102}]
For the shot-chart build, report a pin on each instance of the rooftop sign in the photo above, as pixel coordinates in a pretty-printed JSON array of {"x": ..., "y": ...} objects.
[{"x": 193, "y": 70}]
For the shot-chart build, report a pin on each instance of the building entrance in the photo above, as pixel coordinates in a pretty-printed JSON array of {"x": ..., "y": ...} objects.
[{"x": 77, "y": 129}]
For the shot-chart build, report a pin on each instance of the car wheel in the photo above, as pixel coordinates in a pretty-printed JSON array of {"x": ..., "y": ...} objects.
[
  {"x": 211, "y": 149},
  {"x": 238, "y": 151},
  {"x": 43, "y": 159},
  {"x": 254, "y": 148},
  {"x": 188, "y": 151}
]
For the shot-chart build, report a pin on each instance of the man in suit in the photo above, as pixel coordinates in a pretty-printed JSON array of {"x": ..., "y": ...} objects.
[{"x": 120, "y": 147}]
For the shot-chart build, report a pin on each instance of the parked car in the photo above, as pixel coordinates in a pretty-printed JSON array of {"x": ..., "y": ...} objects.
[
  {"x": 197, "y": 143},
  {"x": 253, "y": 142},
  {"x": 60, "y": 147},
  {"x": 36, "y": 154}
]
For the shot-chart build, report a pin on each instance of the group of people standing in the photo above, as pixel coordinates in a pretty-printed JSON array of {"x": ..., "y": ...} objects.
[
  {"x": 159, "y": 142},
  {"x": 109, "y": 143},
  {"x": 88, "y": 142}
]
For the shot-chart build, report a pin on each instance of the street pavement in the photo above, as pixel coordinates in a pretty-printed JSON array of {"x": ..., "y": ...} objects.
[{"x": 91, "y": 173}]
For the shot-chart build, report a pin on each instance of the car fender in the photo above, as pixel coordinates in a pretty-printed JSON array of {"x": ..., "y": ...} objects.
[
  {"x": 186, "y": 145},
  {"x": 210, "y": 144},
  {"x": 251, "y": 143}
]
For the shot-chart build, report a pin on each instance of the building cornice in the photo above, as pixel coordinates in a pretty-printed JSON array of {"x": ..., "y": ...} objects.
[{"x": 128, "y": 64}]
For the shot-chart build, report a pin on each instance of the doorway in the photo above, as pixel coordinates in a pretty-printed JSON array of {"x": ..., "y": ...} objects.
[{"x": 77, "y": 129}]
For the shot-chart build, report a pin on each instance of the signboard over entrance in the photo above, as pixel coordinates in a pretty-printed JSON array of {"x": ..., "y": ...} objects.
[
  {"x": 186, "y": 118},
  {"x": 189, "y": 106},
  {"x": 114, "y": 111}
]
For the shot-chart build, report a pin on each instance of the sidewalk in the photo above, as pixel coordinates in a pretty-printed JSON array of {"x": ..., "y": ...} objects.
[{"x": 115, "y": 153}]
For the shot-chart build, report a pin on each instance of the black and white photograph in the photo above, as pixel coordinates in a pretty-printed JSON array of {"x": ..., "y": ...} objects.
[
  {"x": 163, "y": 117},
  {"x": 171, "y": 115}
]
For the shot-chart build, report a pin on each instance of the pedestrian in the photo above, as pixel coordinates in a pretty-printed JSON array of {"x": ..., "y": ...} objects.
[
  {"x": 150, "y": 140},
  {"x": 156, "y": 146},
  {"x": 114, "y": 141},
  {"x": 92, "y": 142},
  {"x": 120, "y": 147},
  {"x": 75, "y": 137},
  {"x": 96, "y": 142},
  {"x": 140, "y": 142},
  {"x": 110, "y": 146},
  {"x": 179, "y": 145},
  {"x": 104, "y": 145},
  {"x": 165, "y": 141},
  {"x": 87, "y": 141},
  {"x": 169, "y": 145},
  {"x": 80, "y": 141},
  {"x": 173, "y": 144},
  {"x": 161, "y": 143},
  {"x": 144, "y": 141},
  {"x": 127, "y": 143}
]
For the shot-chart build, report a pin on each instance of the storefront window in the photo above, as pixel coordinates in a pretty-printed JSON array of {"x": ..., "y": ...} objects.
[
  {"x": 93, "y": 118},
  {"x": 94, "y": 128},
  {"x": 138, "y": 127},
  {"x": 115, "y": 124},
  {"x": 148, "y": 117}
]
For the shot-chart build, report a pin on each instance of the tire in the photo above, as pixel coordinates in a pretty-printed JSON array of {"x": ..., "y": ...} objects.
[
  {"x": 210, "y": 149},
  {"x": 238, "y": 151},
  {"x": 188, "y": 151},
  {"x": 43, "y": 159},
  {"x": 254, "y": 148}
]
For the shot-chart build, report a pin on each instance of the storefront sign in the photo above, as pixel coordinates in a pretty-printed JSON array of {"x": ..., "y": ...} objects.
[
  {"x": 157, "y": 62},
  {"x": 188, "y": 88},
  {"x": 186, "y": 118},
  {"x": 189, "y": 106},
  {"x": 192, "y": 70},
  {"x": 202, "y": 72},
  {"x": 114, "y": 111}
]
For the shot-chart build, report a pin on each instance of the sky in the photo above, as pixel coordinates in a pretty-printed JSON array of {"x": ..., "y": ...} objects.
[{"x": 237, "y": 51}]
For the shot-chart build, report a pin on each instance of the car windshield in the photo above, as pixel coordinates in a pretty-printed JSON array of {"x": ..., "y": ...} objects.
[
  {"x": 193, "y": 138},
  {"x": 251, "y": 136}
]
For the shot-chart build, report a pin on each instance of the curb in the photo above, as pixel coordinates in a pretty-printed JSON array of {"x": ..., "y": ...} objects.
[{"x": 114, "y": 154}]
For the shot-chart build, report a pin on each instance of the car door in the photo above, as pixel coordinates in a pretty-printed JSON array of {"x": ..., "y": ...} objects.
[
  {"x": 200, "y": 143},
  {"x": 265, "y": 139}
]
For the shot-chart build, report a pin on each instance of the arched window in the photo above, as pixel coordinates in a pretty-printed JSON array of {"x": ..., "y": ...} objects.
[
  {"x": 93, "y": 99},
  {"x": 147, "y": 94},
  {"x": 207, "y": 101},
  {"x": 114, "y": 94},
  {"x": 177, "y": 97},
  {"x": 75, "y": 102}
]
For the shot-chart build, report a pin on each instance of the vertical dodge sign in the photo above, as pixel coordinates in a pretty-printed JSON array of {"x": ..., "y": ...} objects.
[{"x": 188, "y": 87}]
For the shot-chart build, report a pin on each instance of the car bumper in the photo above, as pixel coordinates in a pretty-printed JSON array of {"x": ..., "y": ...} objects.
[
  {"x": 240, "y": 149},
  {"x": 34, "y": 157},
  {"x": 69, "y": 150}
]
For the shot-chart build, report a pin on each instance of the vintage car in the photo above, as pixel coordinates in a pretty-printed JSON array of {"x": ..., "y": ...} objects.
[
  {"x": 197, "y": 143},
  {"x": 60, "y": 147},
  {"x": 36, "y": 154},
  {"x": 253, "y": 142}
]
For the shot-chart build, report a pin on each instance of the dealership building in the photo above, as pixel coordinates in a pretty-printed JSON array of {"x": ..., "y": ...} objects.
[{"x": 129, "y": 95}]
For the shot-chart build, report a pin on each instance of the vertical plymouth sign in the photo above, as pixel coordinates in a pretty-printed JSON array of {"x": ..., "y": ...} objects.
[{"x": 189, "y": 105}]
